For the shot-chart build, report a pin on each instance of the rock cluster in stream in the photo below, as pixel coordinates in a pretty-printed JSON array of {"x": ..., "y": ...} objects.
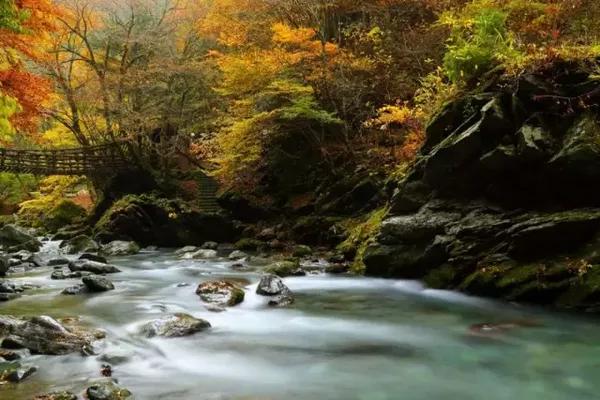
[
  {"x": 504, "y": 199},
  {"x": 45, "y": 335},
  {"x": 23, "y": 337}
]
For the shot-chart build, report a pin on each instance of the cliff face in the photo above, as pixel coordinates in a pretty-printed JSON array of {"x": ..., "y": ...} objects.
[{"x": 504, "y": 199}]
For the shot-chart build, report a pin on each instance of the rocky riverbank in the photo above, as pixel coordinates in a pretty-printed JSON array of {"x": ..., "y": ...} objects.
[{"x": 504, "y": 199}]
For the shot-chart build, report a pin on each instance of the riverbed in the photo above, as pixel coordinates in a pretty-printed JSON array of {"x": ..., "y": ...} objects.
[{"x": 344, "y": 338}]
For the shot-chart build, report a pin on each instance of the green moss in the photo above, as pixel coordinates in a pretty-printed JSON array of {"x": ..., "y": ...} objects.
[
  {"x": 584, "y": 289},
  {"x": 441, "y": 278},
  {"x": 237, "y": 296},
  {"x": 521, "y": 274},
  {"x": 283, "y": 268},
  {"x": 63, "y": 214},
  {"x": 173, "y": 207},
  {"x": 249, "y": 244},
  {"x": 302, "y": 251},
  {"x": 361, "y": 233}
]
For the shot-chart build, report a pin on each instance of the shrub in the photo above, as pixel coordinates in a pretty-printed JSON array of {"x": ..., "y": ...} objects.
[{"x": 477, "y": 44}]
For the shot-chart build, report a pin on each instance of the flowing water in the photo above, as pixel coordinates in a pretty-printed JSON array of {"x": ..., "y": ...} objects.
[{"x": 345, "y": 338}]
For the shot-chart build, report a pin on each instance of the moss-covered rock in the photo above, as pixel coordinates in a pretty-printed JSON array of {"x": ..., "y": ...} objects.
[
  {"x": 176, "y": 325},
  {"x": 220, "y": 293},
  {"x": 318, "y": 230},
  {"x": 302, "y": 250},
  {"x": 56, "y": 396},
  {"x": 285, "y": 268},
  {"x": 120, "y": 248},
  {"x": 13, "y": 238},
  {"x": 107, "y": 390},
  {"x": 80, "y": 244},
  {"x": 250, "y": 244},
  {"x": 359, "y": 234},
  {"x": 152, "y": 220}
]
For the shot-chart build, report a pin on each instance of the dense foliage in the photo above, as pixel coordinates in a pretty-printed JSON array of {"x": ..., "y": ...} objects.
[{"x": 256, "y": 85}]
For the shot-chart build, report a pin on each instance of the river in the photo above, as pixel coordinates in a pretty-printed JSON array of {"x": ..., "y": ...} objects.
[{"x": 345, "y": 338}]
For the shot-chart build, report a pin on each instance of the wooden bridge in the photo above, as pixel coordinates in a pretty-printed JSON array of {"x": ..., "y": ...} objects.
[
  {"x": 88, "y": 160},
  {"x": 93, "y": 161}
]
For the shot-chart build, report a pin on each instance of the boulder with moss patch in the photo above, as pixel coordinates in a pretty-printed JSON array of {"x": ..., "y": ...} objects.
[
  {"x": 220, "y": 293},
  {"x": 151, "y": 220},
  {"x": 176, "y": 325},
  {"x": 503, "y": 201}
]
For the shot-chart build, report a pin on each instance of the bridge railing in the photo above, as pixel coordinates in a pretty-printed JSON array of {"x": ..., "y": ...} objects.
[{"x": 76, "y": 161}]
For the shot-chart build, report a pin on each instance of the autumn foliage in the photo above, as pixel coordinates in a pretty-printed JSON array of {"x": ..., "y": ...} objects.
[{"x": 23, "y": 35}]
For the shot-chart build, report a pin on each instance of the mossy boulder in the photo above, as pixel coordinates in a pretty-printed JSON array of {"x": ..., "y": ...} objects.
[
  {"x": 152, "y": 220},
  {"x": 13, "y": 238},
  {"x": 302, "y": 250},
  {"x": 45, "y": 335},
  {"x": 120, "y": 248},
  {"x": 15, "y": 372},
  {"x": 249, "y": 244},
  {"x": 318, "y": 230},
  {"x": 285, "y": 268},
  {"x": 80, "y": 244},
  {"x": 107, "y": 391},
  {"x": 176, "y": 325},
  {"x": 56, "y": 396},
  {"x": 220, "y": 293}
]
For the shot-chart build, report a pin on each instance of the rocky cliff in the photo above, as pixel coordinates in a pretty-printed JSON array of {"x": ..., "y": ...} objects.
[{"x": 504, "y": 199}]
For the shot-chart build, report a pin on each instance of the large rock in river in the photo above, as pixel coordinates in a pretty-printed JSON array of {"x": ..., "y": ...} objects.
[
  {"x": 79, "y": 244},
  {"x": 107, "y": 390},
  {"x": 273, "y": 287},
  {"x": 12, "y": 238},
  {"x": 177, "y": 325},
  {"x": 97, "y": 283},
  {"x": 94, "y": 267},
  {"x": 220, "y": 293},
  {"x": 44, "y": 335}
]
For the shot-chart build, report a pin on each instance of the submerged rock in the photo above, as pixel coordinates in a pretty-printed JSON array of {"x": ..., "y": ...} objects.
[
  {"x": 93, "y": 257},
  {"x": 93, "y": 267},
  {"x": 9, "y": 296},
  {"x": 26, "y": 256},
  {"x": 4, "y": 265},
  {"x": 80, "y": 244},
  {"x": 56, "y": 396},
  {"x": 221, "y": 293},
  {"x": 66, "y": 273},
  {"x": 120, "y": 248},
  {"x": 74, "y": 290},
  {"x": 97, "y": 283},
  {"x": 44, "y": 335},
  {"x": 272, "y": 286},
  {"x": 15, "y": 371},
  {"x": 177, "y": 325},
  {"x": 58, "y": 261}
]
